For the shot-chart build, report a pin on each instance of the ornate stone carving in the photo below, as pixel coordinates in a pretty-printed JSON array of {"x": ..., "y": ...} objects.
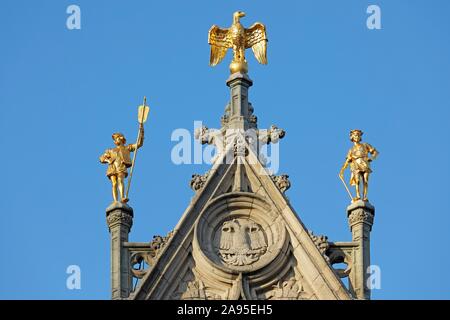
[
  {"x": 236, "y": 291},
  {"x": 147, "y": 255},
  {"x": 159, "y": 242},
  {"x": 286, "y": 290},
  {"x": 282, "y": 182},
  {"x": 117, "y": 217},
  {"x": 238, "y": 232},
  {"x": 251, "y": 117},
  {"x": 224, "y": 120},
  {"x": 240, "y": 146},
  {"x": 360, "y": 215},
  {"x": 211, "y": 136},
  {"x": 137, "y": 259},
  {"x": 226, "y": 117},
  {"x": 273, "y": 135},
  {"x": 242, "y": 242},
  {"x": 321, "y": 243},
  {"x": 198, "y": 181},
  {"x": 343, "y": 253},
  {"x": 194, "y": 290}
]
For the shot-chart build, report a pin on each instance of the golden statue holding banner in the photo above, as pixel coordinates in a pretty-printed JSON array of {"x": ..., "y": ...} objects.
[
  {"x": 238, "y": 38},
  {"x": 119, "y": 158},
  {"x": 359, "y": 158}
]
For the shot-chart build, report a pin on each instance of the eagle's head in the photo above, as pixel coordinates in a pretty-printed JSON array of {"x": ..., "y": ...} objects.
[{"x": 237, "y": 15}]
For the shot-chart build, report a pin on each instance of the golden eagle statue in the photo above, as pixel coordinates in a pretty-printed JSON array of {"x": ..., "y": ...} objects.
[{"x": 238, "y": 38}]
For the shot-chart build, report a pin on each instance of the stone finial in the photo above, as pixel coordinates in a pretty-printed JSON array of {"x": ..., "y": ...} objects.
[
  {"x": 210, "y": 136},
  {"x": 275, "y": 134},
  {"x": 272, "y": 135}
]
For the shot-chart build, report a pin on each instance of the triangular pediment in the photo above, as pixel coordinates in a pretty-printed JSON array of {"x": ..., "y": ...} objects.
[{"x": 240, "y": 239}]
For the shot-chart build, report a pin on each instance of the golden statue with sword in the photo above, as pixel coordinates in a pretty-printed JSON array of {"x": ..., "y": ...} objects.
[
  {"x": 358, "y": 158},
  {"x": 119, "y": 158}
]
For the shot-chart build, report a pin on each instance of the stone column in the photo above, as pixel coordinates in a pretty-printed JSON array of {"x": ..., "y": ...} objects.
[
  {"x": 360, "y": 219},
  {"x": 119, "y": 217},
  {"x": 239, "y": 109}
]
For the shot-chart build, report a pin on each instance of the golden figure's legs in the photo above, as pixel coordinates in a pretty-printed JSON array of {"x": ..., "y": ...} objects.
[
  {"x": 114, "y": 187},
  {"x": 357, "y": 186},
  {"x": 121, "y": 182},
  {"x": 366, "y": 185}
]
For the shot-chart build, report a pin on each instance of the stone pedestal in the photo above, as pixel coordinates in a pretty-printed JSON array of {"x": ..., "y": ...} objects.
[
  {"x": 119, "y": 217},
  {"x": 360, "y": 219},
  {"x": 239, "y": 107}
]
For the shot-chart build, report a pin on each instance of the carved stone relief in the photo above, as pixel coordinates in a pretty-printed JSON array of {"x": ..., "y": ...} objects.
[
  {"x": 360, "y": 215},
  {"x": 321, "y": 243},
  {"x": 238, "y": 233},
  {"x": 142, "y": 259},
  {"x": 192, "y": 288},
  {"x": 286, "y": 290},
  {"x": 282, "y": 182},
  {"x": 198, "y": 181},
  {"x": 241, "y": 242},
  {"x": 291, "y": 286}
]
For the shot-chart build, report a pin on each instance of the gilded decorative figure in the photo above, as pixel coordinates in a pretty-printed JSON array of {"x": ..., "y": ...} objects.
[
  {"x": 119, "y": 158},
  {"x": 238, "y": 38},
  {"x": 359, "y": 158}
]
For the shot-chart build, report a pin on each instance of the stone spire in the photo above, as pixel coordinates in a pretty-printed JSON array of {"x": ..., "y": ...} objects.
[
  {"x": 239, "y": 127},
  {"x": 239, "y": 111}
]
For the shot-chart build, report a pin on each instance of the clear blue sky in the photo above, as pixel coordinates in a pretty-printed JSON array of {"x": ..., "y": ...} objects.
[{"x": 63, "y": 93}]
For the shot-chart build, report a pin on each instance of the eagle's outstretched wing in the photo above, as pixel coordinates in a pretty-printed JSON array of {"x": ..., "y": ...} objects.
[
  {"x": 256, "y": 38},
  {"x": 257, "y": 240},
  {"x": 226, "y": 238},
  {"x": 220, "y": 42}
]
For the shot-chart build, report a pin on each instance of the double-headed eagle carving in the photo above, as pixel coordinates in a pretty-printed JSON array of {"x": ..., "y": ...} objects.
[
  {"x": 238, "y": 38},
  {"x": 241, "y": 242}
]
